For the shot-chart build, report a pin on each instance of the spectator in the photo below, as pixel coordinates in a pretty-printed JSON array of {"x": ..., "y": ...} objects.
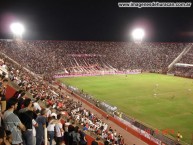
[
  {"x": 83, "y": 140},
  {"x": 36, "y": 105},
  {"x": 26, "y": 117},
  {"x": 2, "y": 135},
  {"x": 96, "y": 141},
  {"x": 3, "y": 88},
  {"x": 106, "y": 142},
  {"x": 51, "y": 125},
  {"x": 21, "y": 97},
  {"x": 41, "y": 120},
  {"x": 59, "y": 131},
  {"x": 75, "y": 135},
  {"x": 9, "y": 136},
  {"x": 12, "y": 122},
  {"x": 4, "y": 139},
  {"x": 66, "y": 133}
]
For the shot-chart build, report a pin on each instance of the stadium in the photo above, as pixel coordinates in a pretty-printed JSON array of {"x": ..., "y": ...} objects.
[
  {"x": 60, "y": 84},
  {"x": 139, "y": 81}
]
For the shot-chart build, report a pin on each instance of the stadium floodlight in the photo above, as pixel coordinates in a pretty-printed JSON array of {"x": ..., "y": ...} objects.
[
  {"x": 138, "y": 34},
  {"x": 17, "y": 29}
]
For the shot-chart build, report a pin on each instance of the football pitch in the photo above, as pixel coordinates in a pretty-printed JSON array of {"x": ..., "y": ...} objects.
[{"x": 160, "y": 101}]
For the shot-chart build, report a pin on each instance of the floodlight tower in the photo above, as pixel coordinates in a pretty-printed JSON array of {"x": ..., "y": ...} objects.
[
  {"x": 17, "y": 30},
  {"x": 138, "y": 35}
]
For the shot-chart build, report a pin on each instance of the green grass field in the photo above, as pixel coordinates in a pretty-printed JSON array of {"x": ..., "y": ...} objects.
[{"x": 161, "y": 101}]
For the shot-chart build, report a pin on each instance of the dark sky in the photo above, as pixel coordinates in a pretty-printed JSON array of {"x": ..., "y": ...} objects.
[{"x": 94, "y": 21}]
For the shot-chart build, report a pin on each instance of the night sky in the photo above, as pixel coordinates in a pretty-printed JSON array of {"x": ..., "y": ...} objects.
[{"x": 94, "y": 21}]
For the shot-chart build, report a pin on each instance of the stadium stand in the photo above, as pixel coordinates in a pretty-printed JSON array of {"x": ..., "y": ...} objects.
[
  {"x": 73, "y": 110},
  {"x": 50, "y": 57},
  {"x": 44, "y": 59}
]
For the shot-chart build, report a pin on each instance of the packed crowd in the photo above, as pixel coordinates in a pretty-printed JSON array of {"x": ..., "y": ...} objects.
[
  {"x": 49, "y": 57},
  {"x": 186, "y": 69},
  {"x": 67, "y": 122}
]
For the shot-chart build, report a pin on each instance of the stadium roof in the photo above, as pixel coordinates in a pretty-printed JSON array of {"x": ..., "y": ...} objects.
[{"x": 99, "y": 20}]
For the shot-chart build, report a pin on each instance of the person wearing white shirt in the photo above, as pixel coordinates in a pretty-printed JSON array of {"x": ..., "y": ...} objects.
[
  {"x": 37, "y": 106},
  {"x": 50, "y": 129},
  {"x": 59, "y": 133},
  {"x": 66, "y": 125},
  {"x": 48, "y": 112},
  {"x": 34, "y": 124},
  {"x": 54, "y": 115}
]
